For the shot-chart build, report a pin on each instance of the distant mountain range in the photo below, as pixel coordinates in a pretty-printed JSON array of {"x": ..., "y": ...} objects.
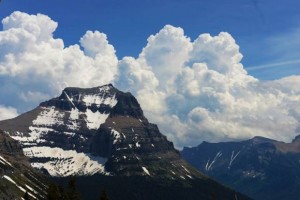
[
  {"x": 101, "y": 136},
  {"x": 261, "y": 168}
]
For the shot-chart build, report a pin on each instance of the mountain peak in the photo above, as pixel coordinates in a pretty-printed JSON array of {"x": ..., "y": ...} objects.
[
  {"x": 103, "y": 126},
  {"x": 100, "y": 98},
  {"x": 296, "y": 139},
  {"x": 99, "y": 89},
  {"x": 260, "y": 139}
]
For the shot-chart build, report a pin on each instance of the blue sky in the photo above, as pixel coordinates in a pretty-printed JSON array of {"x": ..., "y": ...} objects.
[
  {"x": 256, "y": 25},
  {"x": 214, "y": 70}
]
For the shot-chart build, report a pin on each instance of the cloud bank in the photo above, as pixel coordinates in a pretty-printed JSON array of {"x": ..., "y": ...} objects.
[
  {"x": 36, "y": 65},
  {"x": 194, "y": 90},
  {"x": 7, "y": 112}
]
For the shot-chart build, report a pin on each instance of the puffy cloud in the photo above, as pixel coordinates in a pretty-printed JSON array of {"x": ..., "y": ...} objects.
[
  {"x": 166, "y": 52},
  {"x": 40, "y": 26},
  {"x": 209, "y": 95},
  {"x": 220, "y": 52},
  {"x": 30, "y": 96},
  {"x": 96, "y": 44},
  {"x": 138, "y": 77},
  {"x": 194, "y": 90},
  {"x": 32, "y": 61},
  {"x": 7, "y": 112}
]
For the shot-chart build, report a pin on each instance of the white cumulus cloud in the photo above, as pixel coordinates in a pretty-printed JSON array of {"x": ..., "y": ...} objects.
[
  {"x": 165, "y": 53},
  {"x": 194, "y": 90},
  {"x": 204, "y": 92},
  {"x": 32, "y": 61},
  {"x": 7, "y": 112}
]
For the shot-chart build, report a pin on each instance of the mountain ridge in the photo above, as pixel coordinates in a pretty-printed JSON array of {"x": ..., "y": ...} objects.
[
  {"x": 260, "y": 167},
  {"x": 103, "y": 132}
]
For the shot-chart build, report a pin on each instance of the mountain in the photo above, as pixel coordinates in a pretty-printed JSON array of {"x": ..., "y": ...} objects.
[
  {"x": 260, "y": 167},
  {"x": 101, "y": 134},
  {"x": 16, "y": 175}
]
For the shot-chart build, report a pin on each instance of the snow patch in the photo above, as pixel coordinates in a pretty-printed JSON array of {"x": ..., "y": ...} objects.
[
  {"x": 74, "y": 114},
  {"x": 21, "y": 188},
  {"x": 118, "y": 149},
  {"x": 189, "y": 176},
  {"x": 146, "y": 171},
  {"x": 49, "y": 117},
  {"x": 13, "y": 182},
  {"x": 34, "y": 137},
  {"x": 4, "y": 161},
  {"x": 69, "y": 134},
  {"x": 65, "y": 162},
  {"x": 209, "y": 165},
  {"x": 232, "y": 158},
  {"x": 111, "y": 101},
  {"x": 95, "y": 119},
  {"x": 137, "y": 144},
  {"x": 185, "y": 169},
  {"x": 116, "y": 135},
  {"x": 69, "y": 99},
  {"x": 40, "y": 183},
  {"x": 31, "y": 189},
  {"x": 99, "y": 100}
]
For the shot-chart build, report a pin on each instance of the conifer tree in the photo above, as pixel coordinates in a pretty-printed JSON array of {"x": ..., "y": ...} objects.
[
  {"x": 26, "y": 196},
  {"x": 72, "y": 189},
  {"x": 104, "y": 195},
  {"x": 53, "y": 192}
]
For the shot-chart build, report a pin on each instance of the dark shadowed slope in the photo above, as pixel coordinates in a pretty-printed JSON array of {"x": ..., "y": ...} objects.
[
  {"x": 261, "y": 168},
  {"x": 16, "y": 174}
]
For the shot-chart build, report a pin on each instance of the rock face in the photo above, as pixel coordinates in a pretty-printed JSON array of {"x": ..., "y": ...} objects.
[
  {"x": 103, "y": 131},
  {"x": 62, "y": 134},
  {"x": 16, "y": 174},
  {"x": 96, "y": 130},
  {"x": 261, "y": 168}
]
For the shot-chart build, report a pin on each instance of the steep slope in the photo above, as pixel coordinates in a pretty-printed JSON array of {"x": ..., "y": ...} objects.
[
  {"x": 61, "y": 134},
  {"x": 102, "y": 131},
  {"x": 261, "y": 168},
  {"x": 16, "y": 175}
]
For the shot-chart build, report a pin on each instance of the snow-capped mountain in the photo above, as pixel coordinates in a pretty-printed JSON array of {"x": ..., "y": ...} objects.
[
  {"x": 97, "y": 130},
  {"x": 16, "y": 175},
  {"x": 60, "y": 135},
  {"x": 102, "y": 131},
  {"x": 260, "y": 167}
]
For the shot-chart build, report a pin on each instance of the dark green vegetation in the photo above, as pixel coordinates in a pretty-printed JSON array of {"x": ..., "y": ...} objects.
[
  {"x": 69, "y": 192},
  {"x": 263, "y": 169},
  {"x": 104, "y": 195},
  {"x": 147, "y": 188}
]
